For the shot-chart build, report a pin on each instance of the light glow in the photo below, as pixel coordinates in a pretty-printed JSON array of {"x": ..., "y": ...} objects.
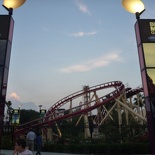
[
  {"x": 133, "y": 6},
  {"x": 13, "y": 3}
]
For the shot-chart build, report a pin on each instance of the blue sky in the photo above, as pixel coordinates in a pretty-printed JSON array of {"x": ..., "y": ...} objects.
[{"x": 61, "y": 45}]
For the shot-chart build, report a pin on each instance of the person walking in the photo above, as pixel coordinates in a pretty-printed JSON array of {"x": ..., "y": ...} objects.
[
  {"x": 38, "y": 143},
  {"x": 31, "y": 136},
  {"x": 20, "y": 148}
]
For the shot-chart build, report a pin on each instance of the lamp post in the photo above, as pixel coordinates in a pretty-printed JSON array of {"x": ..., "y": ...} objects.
[
  {"x": 40, "y": 106},
  {"x": 6, "y": 35},
  {"x": 10, "y": 112},
  {"x": 19, "y": 108},
  {"x": 145, "y": 36}
]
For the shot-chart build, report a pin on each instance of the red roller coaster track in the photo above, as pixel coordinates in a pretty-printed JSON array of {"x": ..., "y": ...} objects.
[{"x": 50, "y": 117}]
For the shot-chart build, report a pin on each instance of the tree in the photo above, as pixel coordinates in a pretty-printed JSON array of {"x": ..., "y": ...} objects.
[
  {"x": 8, "y": 104},
  {"x": 28, "y": 115},
  {"x": 140, "y": 102},
  {"x": 9, "y": 110}
]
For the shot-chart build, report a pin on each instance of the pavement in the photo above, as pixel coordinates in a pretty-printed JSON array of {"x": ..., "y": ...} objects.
[{"x": 9, "y": 152}]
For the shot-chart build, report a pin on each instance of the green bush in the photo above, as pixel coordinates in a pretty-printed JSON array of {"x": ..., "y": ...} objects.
[
  {"x": 7, "y": 142},
  {"x": 112, "y": 148},
  {"x": 87, "y": 147}
]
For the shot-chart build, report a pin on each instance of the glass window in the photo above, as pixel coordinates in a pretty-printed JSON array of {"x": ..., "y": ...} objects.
[
  {"x": 141, "y": 57},
  {"x": 8, "y": 53},
  {"x": 2, "y": 51},
  {"x": 151, "y": 81},
  {"x": 149, "y": 53},
  {"x": 144, "y": 80}
]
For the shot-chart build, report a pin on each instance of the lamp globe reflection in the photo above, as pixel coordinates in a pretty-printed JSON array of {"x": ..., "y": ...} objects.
[
  {"x": 13, "y": 3},
  {"x": 133, "y": 6}
]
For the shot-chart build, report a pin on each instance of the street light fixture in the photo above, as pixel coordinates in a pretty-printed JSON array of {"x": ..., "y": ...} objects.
[
  {"x": 13, "y": 3},
  {"x": 145, "y": 36},
  {"x": 9, "y": 5},
  {"x": 6, "y": 35},
  {"x": 40, "y": 106},
  {"x": 133, "y": 6}
]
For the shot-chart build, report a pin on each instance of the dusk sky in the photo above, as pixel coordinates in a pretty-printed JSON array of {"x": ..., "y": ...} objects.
[{"x": 59, "y": 46}]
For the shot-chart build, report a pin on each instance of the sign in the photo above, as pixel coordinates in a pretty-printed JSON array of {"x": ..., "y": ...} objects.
[{"x": 147, "y": 30}]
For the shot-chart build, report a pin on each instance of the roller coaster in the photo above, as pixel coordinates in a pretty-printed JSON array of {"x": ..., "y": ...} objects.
[{"x": 99, "y": 100}]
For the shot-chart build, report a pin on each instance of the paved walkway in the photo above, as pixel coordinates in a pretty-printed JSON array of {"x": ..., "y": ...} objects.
[{"x": 9, "y": 152}]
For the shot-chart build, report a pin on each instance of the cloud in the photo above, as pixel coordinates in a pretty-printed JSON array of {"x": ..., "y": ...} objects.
[
  {"x": 14, "y": 96},
  {"x": 45, "y": 28},
  {"x": 82, "y": 7},
  {"x": 92, "y": 64},
  {"x": 16, "y": 103},
  {"x": 81, "y": 34}
]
